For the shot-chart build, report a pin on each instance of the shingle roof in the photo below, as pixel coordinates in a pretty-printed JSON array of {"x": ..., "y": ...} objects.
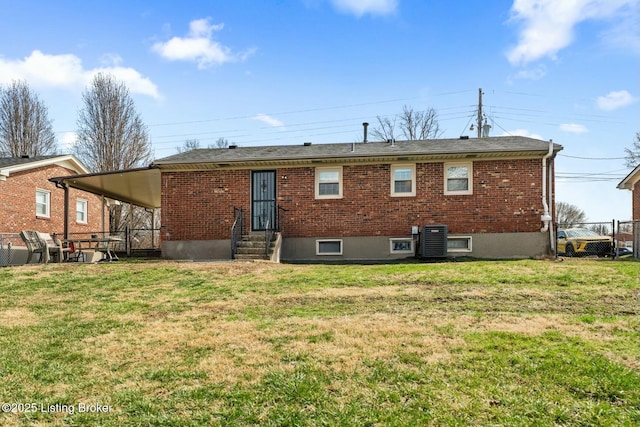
[
  {"x": 435, "y": 147},
  {"x": 14, "y": 161}
]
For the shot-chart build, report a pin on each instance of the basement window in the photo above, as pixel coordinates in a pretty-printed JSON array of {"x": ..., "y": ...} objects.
[
  {"x": 401, "y": 245},
  {"x": 459, "y": 244},
  {"x": 329, "y": 247}
]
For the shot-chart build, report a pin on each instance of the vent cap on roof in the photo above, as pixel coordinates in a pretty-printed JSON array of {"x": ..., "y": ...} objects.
[{"x": 232, "y": 146}]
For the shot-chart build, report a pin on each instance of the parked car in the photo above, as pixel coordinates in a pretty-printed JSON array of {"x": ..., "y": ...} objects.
[
  {"x": 623, "y": 251},
  {"x": 581, "y": 241}
]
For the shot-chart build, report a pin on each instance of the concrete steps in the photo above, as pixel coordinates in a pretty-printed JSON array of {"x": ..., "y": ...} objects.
[{"x": 252, "y": 247}]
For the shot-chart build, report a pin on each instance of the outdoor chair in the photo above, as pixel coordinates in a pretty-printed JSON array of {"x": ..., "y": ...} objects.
[
  {"x": 34, "y": 245},
  {"x": 53, "y": 247}
]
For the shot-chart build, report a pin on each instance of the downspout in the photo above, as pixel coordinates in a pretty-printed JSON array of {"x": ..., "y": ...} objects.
[{"x": 546, "y": 216}]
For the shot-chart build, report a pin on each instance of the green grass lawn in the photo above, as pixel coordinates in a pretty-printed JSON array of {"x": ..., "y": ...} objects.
[{"x": 457, "y": 343}]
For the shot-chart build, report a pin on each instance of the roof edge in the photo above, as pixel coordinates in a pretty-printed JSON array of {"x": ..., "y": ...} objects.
[{"x": 68, "y": 161}]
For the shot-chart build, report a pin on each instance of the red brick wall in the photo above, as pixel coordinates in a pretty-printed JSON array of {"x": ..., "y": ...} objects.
[
  {"x": 199, "y": 205},
  {"x": 18, "y": 203},
  {"x": 506, "y": 198}
]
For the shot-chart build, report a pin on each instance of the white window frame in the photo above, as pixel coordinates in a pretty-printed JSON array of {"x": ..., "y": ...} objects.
[
  {"x": 85, "y": 211},
  {"x": 319, "y": 171},
  {"x": 47, "y": 203},
  {"x": 469, "y": 166},
  {"x": 318, "y": 242},
  {"x": 469, "y": 247},
  {"x": 392, "y": 240},
  {"x": 412, "y": 168}
]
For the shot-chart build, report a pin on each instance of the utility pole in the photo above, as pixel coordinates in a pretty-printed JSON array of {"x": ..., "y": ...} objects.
[{"x": 479, "y": 112}]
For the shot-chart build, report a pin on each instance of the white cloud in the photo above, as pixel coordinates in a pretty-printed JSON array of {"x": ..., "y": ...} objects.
[
  {"x": 199, "y": 47},
  {"x": 536, "y": 73},
  {"x": 548, "y": 25},
  {"x": 362, "y": 7},
  {"x": 573, "y": 128},
  {"x": 66, "y": 141},
  {"x": 268, "y": 120},
  {"x": 67, "y": 72},
  {"x": 615, "y": 100}
]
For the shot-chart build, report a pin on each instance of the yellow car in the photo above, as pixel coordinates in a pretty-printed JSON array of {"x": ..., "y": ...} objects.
[{"x": 581, "y": 241}]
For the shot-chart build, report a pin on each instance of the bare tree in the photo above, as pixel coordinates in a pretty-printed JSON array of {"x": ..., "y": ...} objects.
[
  {"x": 188, "y": 145},
  {"x": 222, "y": 143},
  {"x": 419, "y": 125},
  {"x": 386, "y": 128},
  {"x": 414, "y": 125},
  {"x": 25, "y": 128},
  {"x": 111, "y": 136},
  {"x": 633, "y": 154},
  {"x": 568, "y": 215}
]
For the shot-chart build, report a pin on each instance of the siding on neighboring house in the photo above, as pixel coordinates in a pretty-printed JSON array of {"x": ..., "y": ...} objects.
[
  {"x": 18, "y": 203},
  {"x": 636, "y": 203}
]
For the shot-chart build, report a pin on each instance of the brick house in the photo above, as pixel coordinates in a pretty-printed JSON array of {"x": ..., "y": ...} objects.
[
  {"x": 363, "y": 201},
  {"x": 29, "y": 201},
  {"x": 630, "y": 182}
]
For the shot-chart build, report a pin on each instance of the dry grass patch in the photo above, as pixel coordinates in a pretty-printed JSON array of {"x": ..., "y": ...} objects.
[{"x": 18, "y": 317}]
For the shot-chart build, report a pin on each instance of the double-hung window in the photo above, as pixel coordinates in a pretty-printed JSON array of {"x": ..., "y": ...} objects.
[
  {"x": 329, "y": 183},
  {"x": 403, "y": 180},
  {"x": 43, "y": 203},
  {"x": 81, "y": 211},
  {"x": 458, "y": 178}
]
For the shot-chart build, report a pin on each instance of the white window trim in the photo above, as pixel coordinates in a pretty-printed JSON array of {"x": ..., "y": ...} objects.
[
  {"x": 328, "y": 253},
  {"x": 317, "y": 182},
  {"x": 469, "y": 247},
  {"x": 413, "y": 180},
  {"x": 47, "y": 214},
  {"x": 469, "y": 165},
  {"x": 86, "y": 211},
  {"x": 401, "y": 239}
]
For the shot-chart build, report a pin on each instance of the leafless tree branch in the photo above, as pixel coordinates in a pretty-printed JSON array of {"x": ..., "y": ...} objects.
[{"x": 25, "y": 128}]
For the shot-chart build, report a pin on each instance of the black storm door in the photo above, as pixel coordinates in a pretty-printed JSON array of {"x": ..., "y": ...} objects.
[{"x": 263, "y": 200}]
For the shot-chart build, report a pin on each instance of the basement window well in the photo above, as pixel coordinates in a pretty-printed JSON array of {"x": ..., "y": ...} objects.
[
  {"x": 459, "y": 244},
  {"x": 329, "y": 247},
  {"x": 401, "y": 245}
]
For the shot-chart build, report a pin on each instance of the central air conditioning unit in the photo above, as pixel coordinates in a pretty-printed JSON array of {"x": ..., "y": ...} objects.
[{"x": 433, "y": 241}]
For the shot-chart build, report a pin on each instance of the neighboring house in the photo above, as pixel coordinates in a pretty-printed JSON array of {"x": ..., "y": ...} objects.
[
  {"x": 363, "y": 201},
  {"x": 29, "y": 201},
  {"x": 631, "y": 182}
]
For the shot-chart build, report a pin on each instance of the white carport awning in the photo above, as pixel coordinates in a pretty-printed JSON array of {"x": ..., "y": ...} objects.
[{"x": 140, "y": 187}]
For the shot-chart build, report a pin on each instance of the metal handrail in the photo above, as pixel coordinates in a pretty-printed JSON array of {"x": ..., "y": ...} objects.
[
  {"x": 268, "y": 235},
  {"x": 236, "y": 230}
]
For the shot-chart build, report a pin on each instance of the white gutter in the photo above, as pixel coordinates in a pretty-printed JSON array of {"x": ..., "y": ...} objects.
[{"x": 546, "y": 216}]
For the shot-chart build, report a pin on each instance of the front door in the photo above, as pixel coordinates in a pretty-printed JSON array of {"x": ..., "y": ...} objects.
[{"x": 263, "y": 200}]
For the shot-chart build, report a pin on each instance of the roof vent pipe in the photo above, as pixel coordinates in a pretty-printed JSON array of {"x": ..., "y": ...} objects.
[{"x": 365, "y": 125}]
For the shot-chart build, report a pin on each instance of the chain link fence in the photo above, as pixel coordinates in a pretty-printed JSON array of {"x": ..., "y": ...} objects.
[
  {"x": 614, "y": 239},
  {"x": 585, "y": 239},
  {"x": 8, "y": 243}
]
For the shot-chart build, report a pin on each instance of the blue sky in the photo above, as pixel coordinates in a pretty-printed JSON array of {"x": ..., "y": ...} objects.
[{"x": 289, "y": 71}]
